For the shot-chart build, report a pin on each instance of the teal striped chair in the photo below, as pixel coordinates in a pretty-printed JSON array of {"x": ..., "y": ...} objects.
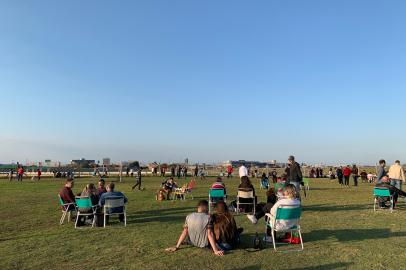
[{"x": 285, "y": 213}]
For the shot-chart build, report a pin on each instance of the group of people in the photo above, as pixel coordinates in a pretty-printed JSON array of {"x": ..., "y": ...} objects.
[
  {"x": 97, "y": 196},
  {"x": 219, "y": 230},
  {"x": 21, "y": 172}
]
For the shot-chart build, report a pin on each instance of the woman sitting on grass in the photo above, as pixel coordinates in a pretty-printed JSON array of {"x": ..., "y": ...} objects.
[{"x": 226, "y": 233}]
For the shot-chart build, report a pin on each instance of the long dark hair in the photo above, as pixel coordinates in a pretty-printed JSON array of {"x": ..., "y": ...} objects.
[
  {"x": 225, "y": 227},
  {"x": 245, "y": 182}
]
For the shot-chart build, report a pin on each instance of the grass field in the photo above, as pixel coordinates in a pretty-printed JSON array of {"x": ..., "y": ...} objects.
[{"x": 340, "y": 229}]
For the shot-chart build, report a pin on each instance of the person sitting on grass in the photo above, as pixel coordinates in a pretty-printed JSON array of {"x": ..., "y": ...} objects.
[
  {"x": 219, "y": 184},
  {"x": 395, "y": 192},
  {"x": 111, "y": 193},
  {"x": 101, "y": 189},
  {"x": 168, "y": 186},
  {"x": 66, "y": 193},
  {"x": 198, "y": 231},
  {"x": 225, "y": 229}
]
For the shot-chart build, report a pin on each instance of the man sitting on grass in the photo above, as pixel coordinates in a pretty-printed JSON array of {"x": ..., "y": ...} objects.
[
  {"x": 395, "y": 192},
  {"x": 198, "y": 231},
  {"x": 111, "y": 193}
]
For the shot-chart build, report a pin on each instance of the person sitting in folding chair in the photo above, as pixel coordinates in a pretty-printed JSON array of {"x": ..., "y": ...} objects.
[
  {"x": 91, "y": 192},
  {"x": 289, "y": 198},
  {"x": 67, "y": 195},
  {"x": 395, "y": 192},
  {"x": 246, "y": 185},
  {"x": 219, "y": 184},
  {"x": 111, "y": 193}
]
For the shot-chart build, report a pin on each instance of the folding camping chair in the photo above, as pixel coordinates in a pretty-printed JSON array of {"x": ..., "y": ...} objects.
[
  {"x": 306, "y": 182},
  {"x": 67, "y": 209},
  {"x": 216, "y": 195},
  {"x": 85, "y": 208},
  {"x": 182, "y": 193},
  {"x": 382, "y": 193},
  {"x": 113, "y": 203},
  {"x": 248, "y": 199},
  {"x": 287, "y": 220}
]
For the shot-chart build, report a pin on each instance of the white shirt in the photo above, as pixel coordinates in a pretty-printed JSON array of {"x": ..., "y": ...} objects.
[
  {"x": 243, "y": 171},
  {"x": 282, "y": 224}
]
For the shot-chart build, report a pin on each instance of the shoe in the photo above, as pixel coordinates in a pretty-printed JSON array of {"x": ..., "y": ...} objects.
[{"x": 253, "y": 219}]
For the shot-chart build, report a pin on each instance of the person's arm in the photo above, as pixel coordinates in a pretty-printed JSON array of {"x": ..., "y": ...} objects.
[
  {"x": 212, "y": 241},
  {"x": 182, "y": 238},
  {"x": 402, "y": 174},
  {"x": 299, "y": 173}
]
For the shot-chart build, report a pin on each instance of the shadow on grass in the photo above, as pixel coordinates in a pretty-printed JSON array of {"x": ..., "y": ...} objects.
[
  {"x": 348, "y": 235},
  {"x": 336, "y": 208},
  {"x": 170, "y": 215},
  {"x": 331, "y": 266}
]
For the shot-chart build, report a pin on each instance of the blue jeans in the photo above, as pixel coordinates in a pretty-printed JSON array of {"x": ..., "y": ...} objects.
[{"x": 396, "y": 183}]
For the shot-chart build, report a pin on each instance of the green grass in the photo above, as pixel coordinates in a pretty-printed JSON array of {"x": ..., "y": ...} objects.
[{"x": 340, "y": 229}]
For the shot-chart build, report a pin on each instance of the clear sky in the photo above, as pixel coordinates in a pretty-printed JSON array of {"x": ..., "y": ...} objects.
[{"x": 209, "y": 80}]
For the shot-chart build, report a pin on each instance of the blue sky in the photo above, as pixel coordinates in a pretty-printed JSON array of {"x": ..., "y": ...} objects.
[{"x": 208, "y": 80}]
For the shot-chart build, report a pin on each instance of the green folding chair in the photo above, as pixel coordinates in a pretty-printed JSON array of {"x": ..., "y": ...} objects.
[
  {"x": 85, "y": 208},
  {"x": 67, "y": 208},
  {"x": 287, "y": 220},
  {"x": 383, "y": 192},
  {"x": 306, "y": 182},
  {"x": 216, "y": 195}
]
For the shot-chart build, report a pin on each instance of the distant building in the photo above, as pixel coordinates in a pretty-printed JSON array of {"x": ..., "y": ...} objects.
[
  {"x": 259, "y": 164},
  {"x": 106, "y": 161},
  {"x": 84, "y": 163}
]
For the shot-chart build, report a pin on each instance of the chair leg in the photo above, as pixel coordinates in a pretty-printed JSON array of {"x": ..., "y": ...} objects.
[
  {"x": 273, "y": 239},
  {"x": 125, "y": 219},
  {"x": 104, "y": 220},
  {"x": 301, "y": 239},
  {"x": 375, "y": 204},
  {"x": 77, "y": 219},
  {"x": 62, "y": 218},
  {"x": 69, "y": 215}
]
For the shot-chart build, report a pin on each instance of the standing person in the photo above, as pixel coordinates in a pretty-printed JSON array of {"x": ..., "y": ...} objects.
[
  {"x": 274, "y": 175},
  {"x": 196, "y": 171},
  {"x": 396, "y": 175},
  {"x": 20, "y": 173},
  {"x": 178, "y": 171},
  {"x": 347, "y": 173},
  {"x": 39, "y": 174},
  {"x": 10, "y": 175},
  {"x": 163, "y": 171},
  {"x": 243, "y": 171},
  {"x": 340, "y": 175},
  {"x": 185, "y": 172},
  {"x": 355, "y": 174},
  {"x": 295, "y": 176},
  {"x": 127, "y": 172},
  {"x": 138, "y": 178},
  {"x": 229, "y": 171},
  {"x": 131, "y": 172},
  {"x": 381, "y": 170}
]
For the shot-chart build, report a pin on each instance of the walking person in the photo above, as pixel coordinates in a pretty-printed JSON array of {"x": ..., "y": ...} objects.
[
  {"x": 10, "y": 175},
  {"x": 347, "y": 173},
  {"x": 355, "y": 174},
  {"x": 20, "y": 173},
  {"x": 242, "y": 171},
  {"x": 396, "y": 175},
  {"x": 340, "y": 175},
  {"x": 229, "y": 171},
  {"x": 39, "y": 173},
  {"x": 196, "y": 171},
  {"x": 138, "y": 178}
]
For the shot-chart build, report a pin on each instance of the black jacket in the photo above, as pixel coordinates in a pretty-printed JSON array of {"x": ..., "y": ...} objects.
[{"x": 295, "y": 173}]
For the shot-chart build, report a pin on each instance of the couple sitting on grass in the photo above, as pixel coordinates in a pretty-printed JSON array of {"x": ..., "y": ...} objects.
[{"x": 218, "y": 231}]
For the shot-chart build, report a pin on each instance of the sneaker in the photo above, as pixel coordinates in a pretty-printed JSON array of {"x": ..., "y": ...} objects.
[{"x": 253, "y": 219}]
